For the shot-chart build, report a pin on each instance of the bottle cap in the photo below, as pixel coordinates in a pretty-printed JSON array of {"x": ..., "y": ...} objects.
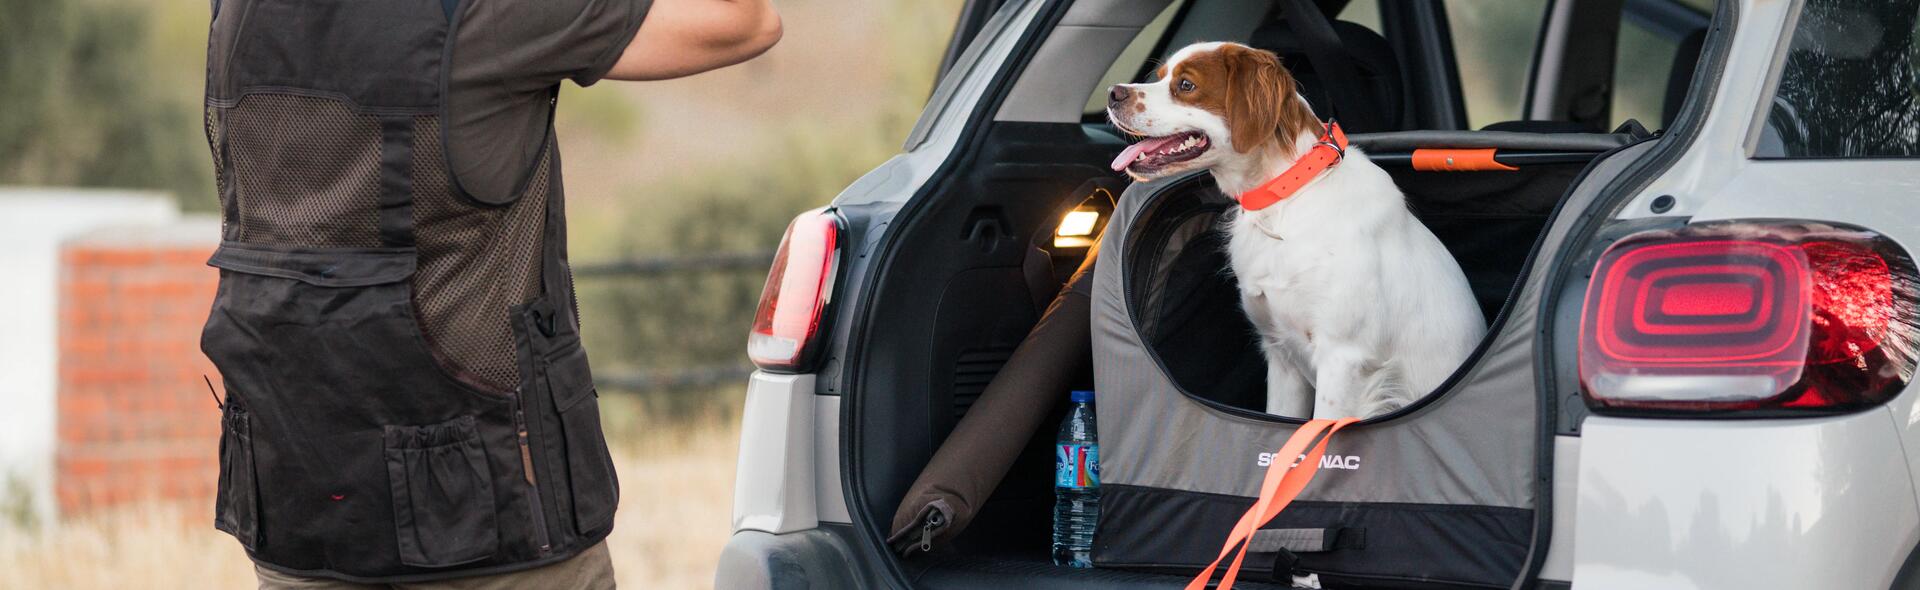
[{"x": 1082, "y": 396}]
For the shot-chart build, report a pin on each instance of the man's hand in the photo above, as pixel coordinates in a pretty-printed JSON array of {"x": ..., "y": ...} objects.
[{"x": 686, "y": 37}]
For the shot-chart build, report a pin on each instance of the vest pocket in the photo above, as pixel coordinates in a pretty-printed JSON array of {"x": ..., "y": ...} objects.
[
  {"x": 590, "y": 475},
  {"x": 236, "y": 508},
  {"x": 443, "y": 504}
]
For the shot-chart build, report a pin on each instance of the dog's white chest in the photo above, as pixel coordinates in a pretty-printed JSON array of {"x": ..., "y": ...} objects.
[{"x": 1277, "y": 280}]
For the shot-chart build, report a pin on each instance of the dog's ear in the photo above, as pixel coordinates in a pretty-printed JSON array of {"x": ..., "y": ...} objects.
[{"x": 1262, "y": 102}]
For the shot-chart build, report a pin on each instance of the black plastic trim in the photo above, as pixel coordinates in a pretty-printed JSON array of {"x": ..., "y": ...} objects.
[
  {"x": 1528, "y": 97},
  {"x": 1908, "y": 578},
  {"x": 811, "y": 558},
  {"x": 1424, "y": 44},
  {"x": 1384, "y": 524}
]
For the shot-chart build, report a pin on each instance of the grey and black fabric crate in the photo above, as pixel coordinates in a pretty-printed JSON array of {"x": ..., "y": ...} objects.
[{"x": 1443, "y": 492}]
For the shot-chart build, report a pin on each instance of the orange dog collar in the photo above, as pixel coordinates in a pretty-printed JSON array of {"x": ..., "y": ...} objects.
[{"x": 1331, "y": 148}]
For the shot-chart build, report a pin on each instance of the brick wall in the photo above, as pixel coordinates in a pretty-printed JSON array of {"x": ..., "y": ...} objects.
[{"x": 136, "y": 421}]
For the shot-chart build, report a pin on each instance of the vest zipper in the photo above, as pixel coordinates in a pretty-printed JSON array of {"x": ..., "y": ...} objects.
[{"x": 526, "y": 467}]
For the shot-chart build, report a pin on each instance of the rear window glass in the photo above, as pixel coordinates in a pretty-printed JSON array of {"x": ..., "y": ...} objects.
[
  {"x": 1848, "y": 88},
  {"x": 1655, "y": 55},
  {"x": 1493, "y": 43},
  {"x": 1133, "y": 65}
]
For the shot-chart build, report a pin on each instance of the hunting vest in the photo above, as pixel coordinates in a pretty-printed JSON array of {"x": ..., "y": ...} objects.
[{"x": 406, "y": 393}]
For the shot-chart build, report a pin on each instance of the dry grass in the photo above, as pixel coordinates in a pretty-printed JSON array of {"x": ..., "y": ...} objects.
[
  {"x": 677, "y": 489},
  {"x": 676, "y": 500},
  {"x": 152, "y": 546}
]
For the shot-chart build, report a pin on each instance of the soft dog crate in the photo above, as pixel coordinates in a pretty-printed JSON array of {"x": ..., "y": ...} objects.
[{"x": 1440, "y": 494}]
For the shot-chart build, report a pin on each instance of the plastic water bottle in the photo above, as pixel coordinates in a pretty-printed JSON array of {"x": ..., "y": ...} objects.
[{"x": 1076, "y": 485}]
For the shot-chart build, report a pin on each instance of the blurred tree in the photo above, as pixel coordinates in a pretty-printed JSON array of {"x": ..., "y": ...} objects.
[
  {"x": 79, "y": 105},
  {"x": 743, "y": 205}
]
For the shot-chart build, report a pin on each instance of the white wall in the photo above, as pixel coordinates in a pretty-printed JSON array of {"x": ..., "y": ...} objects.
[{"x": 33, "y": 224}]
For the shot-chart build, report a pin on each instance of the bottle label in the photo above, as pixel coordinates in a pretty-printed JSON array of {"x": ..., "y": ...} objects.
[{"x": 1076, "y": 466}]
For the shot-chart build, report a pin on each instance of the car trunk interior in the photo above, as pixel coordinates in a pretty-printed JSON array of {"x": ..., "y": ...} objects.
[
  {"x": 973, "y": 261},
  {"x": 972, "y": 269}
]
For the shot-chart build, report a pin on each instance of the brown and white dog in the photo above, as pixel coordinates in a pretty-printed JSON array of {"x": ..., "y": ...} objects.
[{"x": 1360, "y": 308}]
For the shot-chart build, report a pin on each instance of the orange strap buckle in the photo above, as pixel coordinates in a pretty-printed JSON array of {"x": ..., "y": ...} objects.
[{"x": 1283, "y": 482}]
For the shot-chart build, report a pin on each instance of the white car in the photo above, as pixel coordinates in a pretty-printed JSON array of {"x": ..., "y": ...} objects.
[{"x": 1721, "y": 401}]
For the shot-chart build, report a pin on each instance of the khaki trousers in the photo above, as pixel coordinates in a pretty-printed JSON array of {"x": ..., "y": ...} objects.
[{"x": 591, "y": 569}]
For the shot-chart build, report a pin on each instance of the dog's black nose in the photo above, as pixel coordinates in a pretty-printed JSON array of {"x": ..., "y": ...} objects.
[{"x": 1118, "y": 94}]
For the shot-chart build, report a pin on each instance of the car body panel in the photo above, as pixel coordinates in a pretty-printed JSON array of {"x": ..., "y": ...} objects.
[
  {"x": 773, "y": 487},
  {"x": 788, "y": 472},
  {"x": 1805, "y": 503},
  {"x": 1719, "y": 153},
  {"x": 1566, "y": 489},
  {"x": 1905, "y": 411}
]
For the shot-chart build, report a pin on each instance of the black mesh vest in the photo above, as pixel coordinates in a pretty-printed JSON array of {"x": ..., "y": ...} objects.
[{"x": 407, "y": 397}]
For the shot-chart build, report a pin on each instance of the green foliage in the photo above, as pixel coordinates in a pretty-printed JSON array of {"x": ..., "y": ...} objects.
[
  {"x": 16, "y": 505},
  {"x": 604, "y": 114},
  {"x": 701, "y": 320},
  {"x": 83, "y": 106}
]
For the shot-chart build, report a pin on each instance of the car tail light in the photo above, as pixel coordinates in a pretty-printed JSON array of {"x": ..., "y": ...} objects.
[
  {"x": 1749, "y": 318},
  {"x": 799, "y": 288}
]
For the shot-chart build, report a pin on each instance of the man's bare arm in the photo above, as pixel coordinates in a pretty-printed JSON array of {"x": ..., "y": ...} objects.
[{"x": 686, "y": 37}]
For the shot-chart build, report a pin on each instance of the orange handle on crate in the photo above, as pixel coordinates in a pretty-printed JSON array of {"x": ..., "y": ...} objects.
[
  {"x": 1282, "y": 484},
  {"x": 1457, "y": 160}
]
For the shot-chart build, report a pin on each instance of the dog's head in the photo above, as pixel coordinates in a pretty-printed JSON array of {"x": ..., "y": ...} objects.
[{"x": 1208, "y": 95}]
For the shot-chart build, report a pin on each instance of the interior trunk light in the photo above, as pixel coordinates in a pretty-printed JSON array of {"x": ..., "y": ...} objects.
[
  {"x": 1076, "y": 229},
  {"x": 1752, "y": 318},
  {"x": 1078, "y": 222},
  {"x": 799, "y": 288}
]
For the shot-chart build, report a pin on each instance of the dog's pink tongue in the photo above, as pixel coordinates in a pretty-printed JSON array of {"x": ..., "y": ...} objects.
[
  {"x": 1127, "y": 155},
  {"x": 1133, "y": 151}
]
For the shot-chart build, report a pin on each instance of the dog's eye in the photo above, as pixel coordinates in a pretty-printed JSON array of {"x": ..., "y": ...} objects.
[{"x": 1186, "y": 85}]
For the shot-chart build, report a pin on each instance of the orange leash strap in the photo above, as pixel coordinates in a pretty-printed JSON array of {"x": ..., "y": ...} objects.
[{"x": 1282, "y": 484}]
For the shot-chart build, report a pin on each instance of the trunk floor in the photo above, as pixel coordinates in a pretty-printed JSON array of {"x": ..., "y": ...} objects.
[{"x": 1002, "y": 573}]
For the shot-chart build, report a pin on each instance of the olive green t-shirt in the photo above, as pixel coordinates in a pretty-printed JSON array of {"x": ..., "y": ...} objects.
[{"x": 506, "y": 63}]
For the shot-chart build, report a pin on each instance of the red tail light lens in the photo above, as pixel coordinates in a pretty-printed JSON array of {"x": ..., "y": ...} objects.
[
  {"x": 1748, "y": 318},
  {"x": 799, "y": 289}
]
